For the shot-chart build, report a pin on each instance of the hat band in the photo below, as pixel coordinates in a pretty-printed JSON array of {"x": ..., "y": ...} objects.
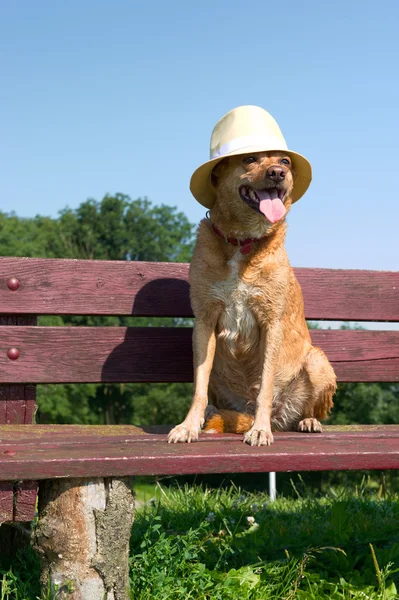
[{"x": 269, "y": 142}]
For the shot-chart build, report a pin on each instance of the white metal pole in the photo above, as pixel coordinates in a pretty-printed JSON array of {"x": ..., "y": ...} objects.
[{"x": 272, "y": 486}]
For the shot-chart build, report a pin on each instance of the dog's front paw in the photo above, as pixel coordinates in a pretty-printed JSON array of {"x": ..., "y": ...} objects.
[
  {"x": 184, "y": 433},
  {"x": 258, "y": 437},
  {"x": 311, "y": 425}
]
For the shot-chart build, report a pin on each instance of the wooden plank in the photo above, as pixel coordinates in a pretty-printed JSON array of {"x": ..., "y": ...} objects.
[
  {"x": 54, "y": 434},
  {"x": 17, "y": 402},
  {"x": 350, "y": 295},
  {"x": 160, "y": 354},
  {"x": 84, "y": 354},
  {"x": 6, "y": 501},
  {"x": 61, "y": 286},
  {"x": 120, "y": 455},
  {"x": 361, "y": 356}
]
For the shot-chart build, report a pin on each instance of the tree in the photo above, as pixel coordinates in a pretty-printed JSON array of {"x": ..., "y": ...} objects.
[
  {"x": 368, "y": 403},
  {"x": 117, "y": 228}
]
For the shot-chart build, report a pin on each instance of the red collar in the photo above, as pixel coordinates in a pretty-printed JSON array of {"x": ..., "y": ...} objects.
[{"x": 245, "y": 245}]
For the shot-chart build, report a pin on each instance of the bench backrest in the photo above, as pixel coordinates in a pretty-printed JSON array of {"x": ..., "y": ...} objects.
[{"x": 31, "y": 354}]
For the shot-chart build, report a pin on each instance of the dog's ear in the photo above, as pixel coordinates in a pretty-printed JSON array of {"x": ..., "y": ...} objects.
[{"x": 218, "y": 170}]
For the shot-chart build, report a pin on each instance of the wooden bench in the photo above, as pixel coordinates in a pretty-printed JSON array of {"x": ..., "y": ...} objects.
[{"x": 85, "y": 501}]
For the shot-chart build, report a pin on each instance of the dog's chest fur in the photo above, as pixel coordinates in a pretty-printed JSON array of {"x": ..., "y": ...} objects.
[{"x": 237, "y": 327}]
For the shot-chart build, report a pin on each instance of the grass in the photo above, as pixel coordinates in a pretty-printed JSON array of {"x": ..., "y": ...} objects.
[{"x": 191, "y": 543}]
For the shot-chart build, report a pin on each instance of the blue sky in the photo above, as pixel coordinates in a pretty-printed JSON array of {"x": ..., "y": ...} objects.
[{"x": 101, "y": 97}]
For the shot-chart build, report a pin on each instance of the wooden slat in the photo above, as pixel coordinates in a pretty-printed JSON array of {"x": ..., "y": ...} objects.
[
  {"x": 58, "y": 286},
  {"x": 94, "y": 354},
  {"x": 118, "y": 354},
  {"x": 61, "y": 286},
  {"x": 54, "y": 434},
  {"x": 99, "y": 455},
  {"x": 350, "y": 295}
]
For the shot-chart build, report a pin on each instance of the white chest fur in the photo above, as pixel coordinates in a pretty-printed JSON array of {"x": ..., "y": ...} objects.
[{"x": 237, "y": 324}]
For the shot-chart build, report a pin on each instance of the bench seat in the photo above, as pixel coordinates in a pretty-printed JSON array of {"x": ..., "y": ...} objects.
[{"x": 52, "y": 451}]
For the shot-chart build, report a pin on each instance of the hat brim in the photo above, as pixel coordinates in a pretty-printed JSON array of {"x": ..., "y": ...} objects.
[{"x": 205, "y": 193}]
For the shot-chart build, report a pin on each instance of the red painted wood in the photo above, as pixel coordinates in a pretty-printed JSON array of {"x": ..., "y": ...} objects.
[
  {"x": 160, "y": 354},
  {"x": 13, "y": 284},
  {"x": 60, "y": 286},
  {"x": 17, "y": 402},
  {"x": 25, "y": 501},
  {"x": 6, "y": 501},
  {"x": 19, "y": 436},
  {"x": 83, "y": 354},
  {"x": 13, "y": 353},
  {"x": 3, "y": 404},
  {"x": 30, "y": 403},
  {"x": 88, "y": 354},
  {"x": 99, "y": 455},
  {"x": 18, "y": 406},
  {"x": 350, "y": 295}
]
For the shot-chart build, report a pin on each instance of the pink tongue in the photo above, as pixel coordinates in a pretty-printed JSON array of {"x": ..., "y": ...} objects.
[{"x": 272, "y": 208}]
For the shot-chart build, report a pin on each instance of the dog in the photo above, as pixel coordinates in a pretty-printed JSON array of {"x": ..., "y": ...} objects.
[{"x": 253, "y": 357}]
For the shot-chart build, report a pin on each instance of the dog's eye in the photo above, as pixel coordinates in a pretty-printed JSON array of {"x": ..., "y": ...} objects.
[
  {"x": 249, "y": 160},
  {"x": 285, "y": 161}
]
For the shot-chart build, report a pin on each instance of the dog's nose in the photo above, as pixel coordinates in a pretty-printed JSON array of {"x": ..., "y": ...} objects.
[{"x": 275, "y": 173}]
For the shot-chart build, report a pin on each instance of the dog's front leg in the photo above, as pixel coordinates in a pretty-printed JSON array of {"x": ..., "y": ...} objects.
[
  {"x": 204, "y": 345},
  {"x": 260, "y": 433}
]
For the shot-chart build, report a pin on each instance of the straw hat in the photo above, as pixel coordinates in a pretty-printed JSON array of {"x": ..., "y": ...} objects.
[{"x": 244, "y": 130}]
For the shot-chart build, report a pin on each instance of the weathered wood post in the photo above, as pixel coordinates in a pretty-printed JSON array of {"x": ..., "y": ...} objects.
[{"x": 83, "y": 537}]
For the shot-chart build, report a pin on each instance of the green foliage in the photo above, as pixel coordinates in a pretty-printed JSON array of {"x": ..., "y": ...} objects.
[
  {"x": 227, "y": 544},
  {"x": 366, "y": 403},
  {"x": 21, "y": 581},
  {"x": 120, "y": 229},
  {"x": 130, "y": 403},
  {"x": 26, "y": 237},
  {"x": 116, "y": 228}
]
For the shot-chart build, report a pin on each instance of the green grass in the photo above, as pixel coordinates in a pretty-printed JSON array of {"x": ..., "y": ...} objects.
[{"x": 192, "y": 543}]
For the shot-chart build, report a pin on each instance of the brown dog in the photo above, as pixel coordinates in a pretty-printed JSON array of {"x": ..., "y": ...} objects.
[{"x": 251, "y": 344}]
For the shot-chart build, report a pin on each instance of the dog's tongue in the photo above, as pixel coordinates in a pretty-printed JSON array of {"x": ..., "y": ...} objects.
[{"x": 270, "y": 205}]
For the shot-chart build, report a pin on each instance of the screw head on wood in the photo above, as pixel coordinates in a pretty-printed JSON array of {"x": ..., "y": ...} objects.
[
  {"x": 13, "y": 284},
  {"x": 13, "y": 353}
]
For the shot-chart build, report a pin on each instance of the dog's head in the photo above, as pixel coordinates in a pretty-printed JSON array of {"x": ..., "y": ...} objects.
[{"x": 254, "y": 189}]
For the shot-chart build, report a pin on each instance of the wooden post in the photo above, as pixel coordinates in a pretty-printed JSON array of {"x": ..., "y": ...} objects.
[
  {"x": 83, "y": 536},
  {"x": 17, "y": 405}
]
